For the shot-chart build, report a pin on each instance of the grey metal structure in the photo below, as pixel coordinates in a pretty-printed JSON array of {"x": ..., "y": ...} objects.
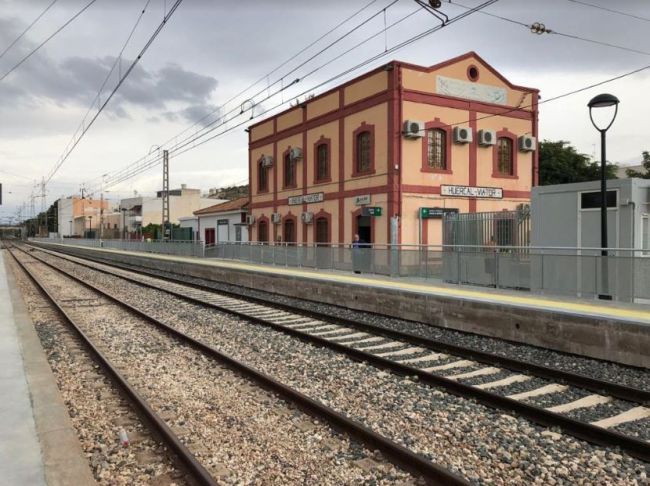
[
  {"x": 498, "y": 228},
  {"x": 568, "y": 215}
]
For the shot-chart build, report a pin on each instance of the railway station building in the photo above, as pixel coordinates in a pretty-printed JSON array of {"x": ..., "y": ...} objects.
[{"x": 386, "y": 154}]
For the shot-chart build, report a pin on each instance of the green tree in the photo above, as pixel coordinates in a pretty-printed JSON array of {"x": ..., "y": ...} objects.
[
  {"x": 646, "y": 166},
  {"x": 560, "y": 163}
]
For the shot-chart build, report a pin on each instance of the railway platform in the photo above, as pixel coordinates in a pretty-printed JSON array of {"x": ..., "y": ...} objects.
[
  {"x": 38, "y": 444},
  {"x": 605, "y": 330}
]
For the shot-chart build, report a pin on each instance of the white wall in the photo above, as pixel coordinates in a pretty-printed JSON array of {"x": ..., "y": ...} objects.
[
  {"x": 65, "y": 215},
  {"x": 224, "y": 233}
]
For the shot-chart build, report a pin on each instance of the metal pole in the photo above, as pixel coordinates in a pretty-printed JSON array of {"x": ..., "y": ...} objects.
[
  {"x": 165, "y": 195},
  {"x": 604, "y": 293}
]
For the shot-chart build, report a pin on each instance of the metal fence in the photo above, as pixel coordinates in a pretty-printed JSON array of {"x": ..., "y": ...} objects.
[
  {"x": 499, "y": 228},
  {"x": 573, "y": 272}
]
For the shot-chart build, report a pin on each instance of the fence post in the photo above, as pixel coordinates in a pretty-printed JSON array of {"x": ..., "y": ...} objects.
[{"x": 496, "y": 269}]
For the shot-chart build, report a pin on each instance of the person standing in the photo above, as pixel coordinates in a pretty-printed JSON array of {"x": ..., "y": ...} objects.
[{"x": 357, "y": 244}]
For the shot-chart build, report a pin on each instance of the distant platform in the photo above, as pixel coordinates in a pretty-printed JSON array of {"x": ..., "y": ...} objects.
[{"x": 606, "y": 330}]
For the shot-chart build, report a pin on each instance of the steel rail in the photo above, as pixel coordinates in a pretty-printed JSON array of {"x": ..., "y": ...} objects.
[
  {"x": 595, "y": 385},
  {"x": 197, "y": 471},
  {"x": 582, "y": 430},
  {"x": 400, "y": 455}
]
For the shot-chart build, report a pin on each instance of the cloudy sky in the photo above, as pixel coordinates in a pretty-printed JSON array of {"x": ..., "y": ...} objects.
[{"x": 212, "y": 49}]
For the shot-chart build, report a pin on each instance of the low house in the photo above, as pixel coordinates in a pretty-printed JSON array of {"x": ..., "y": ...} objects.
[{"x": 224, "y": 222}]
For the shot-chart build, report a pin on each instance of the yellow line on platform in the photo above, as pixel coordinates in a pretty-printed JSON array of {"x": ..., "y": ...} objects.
[{"x": 474, "y": 295}]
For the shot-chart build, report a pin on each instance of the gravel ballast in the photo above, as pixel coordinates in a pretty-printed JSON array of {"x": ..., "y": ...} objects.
[{"x": 482, "y": 444}]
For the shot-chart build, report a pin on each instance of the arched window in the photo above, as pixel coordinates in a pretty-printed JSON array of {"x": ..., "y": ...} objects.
[
  {"x": 437, "y": 149},
  {"x": 289, "y": 171},
  {"x": 322, "y": 162},
  {"x": 262, "y": 178},
  {"x": 322, "y": 230},
  {"x": 505, "y": 162},
  {"x": 262, "y": 232},
  {"x": 289, "y": 231},
  {"x": 364, "y": 152}
]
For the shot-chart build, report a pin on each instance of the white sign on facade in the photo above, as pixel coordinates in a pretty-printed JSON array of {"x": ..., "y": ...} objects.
[
  {"x": 306, "y": 199},
  {"x": 473, "y": 91},
  {"x": 472, "y": 191},
  {"x": 361, "y": 200}
]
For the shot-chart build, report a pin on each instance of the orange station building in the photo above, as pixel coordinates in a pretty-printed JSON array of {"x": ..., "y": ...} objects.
[{"x": 387, "y": 153}]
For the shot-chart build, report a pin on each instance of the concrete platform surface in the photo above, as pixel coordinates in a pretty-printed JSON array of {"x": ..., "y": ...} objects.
[
  {"x": 38, "y": 444},
  {"x": 616, "y": 332}
]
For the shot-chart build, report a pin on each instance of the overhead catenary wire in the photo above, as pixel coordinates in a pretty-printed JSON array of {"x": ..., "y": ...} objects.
[
  {"x": 49, "y": 38},
  {"x": 67, "y": 153},
  {"x": 561, "y": 34},
  {"x": 206, "y": 128},
  {"x": 610, "y": 10},
  {"x": 28, "y": 28},
  {"x": 185, "y": 147}
]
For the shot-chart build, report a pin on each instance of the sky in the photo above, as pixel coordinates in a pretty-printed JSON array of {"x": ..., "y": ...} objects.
[{"x": 210, "y": 50}]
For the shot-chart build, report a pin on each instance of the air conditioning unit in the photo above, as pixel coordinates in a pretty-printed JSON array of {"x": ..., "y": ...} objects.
[
  {"x": 295, "y": 153},
  {"x": 462, "y": 134},
  {"x": 413, "y": 129},
  {"x": 250, "y": 219},
  {"x": 266, "y": 160},
  {"x": 527, "y": 143},
  {"x": 487, "y": 137},
  {"x": 276, "y": 218},
  {"x": 307, "y": 217}
]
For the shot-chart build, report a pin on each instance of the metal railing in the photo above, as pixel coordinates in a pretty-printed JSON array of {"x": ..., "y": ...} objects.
[{"x": 575, "y": 272}]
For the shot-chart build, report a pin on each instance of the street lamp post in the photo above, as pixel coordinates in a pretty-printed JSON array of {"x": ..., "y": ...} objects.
[
  {"x": 603, "y": 101},
  {"x": 90, "y": 233},
  {"x": 123, "y": 223}
]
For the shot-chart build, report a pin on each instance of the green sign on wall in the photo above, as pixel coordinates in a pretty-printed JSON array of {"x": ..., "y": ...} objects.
[
  {"x": 428, "y": 213},
  {"x": 371, "y": 211}
]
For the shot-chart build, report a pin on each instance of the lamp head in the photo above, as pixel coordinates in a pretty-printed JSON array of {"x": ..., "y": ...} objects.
[{"x": 603, "y": 100}]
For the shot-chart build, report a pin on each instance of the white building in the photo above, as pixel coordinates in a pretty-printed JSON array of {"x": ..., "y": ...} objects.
[
  {"x": 141, "y": 211},
  {"x": 224, "y": 222}
]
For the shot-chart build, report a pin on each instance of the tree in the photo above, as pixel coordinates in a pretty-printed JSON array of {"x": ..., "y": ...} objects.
[
  {"x": 560, "y": 163},
  {"x": 646, "y": 166}
]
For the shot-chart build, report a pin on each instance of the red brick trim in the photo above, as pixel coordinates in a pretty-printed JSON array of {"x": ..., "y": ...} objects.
[
  {"x": 261, "y": 190},
  {"x": 290, "y": 217},
  {"x": 505, "y": 133},
  {"x": 328, "y": 196},
  {"x": 323, "y": 214},
  {"x": 476, "y": 77},
  {"x": 436, "y": 124},
  {"x": 328, "y": 142},
  {"x": 355, "y": 225},
  {"x": 342, "y": 214},
  {"x": 364, "y": 127},
  {"x": 276, "y": 170},
  {"x": 473, "y": 157},
  {"x": 303, "y": 226},
  {"x": 464, "y": 104},
  {"x": 262, "y": 219},
  {"x": 284, "y": 171},
  {"x": 352, "y": 108}
]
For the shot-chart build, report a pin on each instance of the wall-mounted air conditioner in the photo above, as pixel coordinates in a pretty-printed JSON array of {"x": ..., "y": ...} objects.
[
  {"x": 527, "y": 143},
  {"x": 413, "y": 129},
  {"x": 295, "y": 153},
  {"x": 250, "y": 219},
  {"x": 487, "y": 138},
  {"x": 266, "y": 160},
  {"x": 276, "y": 218},
  {"x": 307, "y": 217},
  {"x": 462, "y": 134}
]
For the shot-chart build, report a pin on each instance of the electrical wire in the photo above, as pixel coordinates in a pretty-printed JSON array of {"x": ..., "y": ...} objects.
[
  {"x": 36, "y": 49},
  {"x": 65, "y": 156},
  {"x": 22, "y": 34},
  {"x": 562, "y": 34},
  {"x": 185, "y": 147},
  {"x": 611, "y": 10}
]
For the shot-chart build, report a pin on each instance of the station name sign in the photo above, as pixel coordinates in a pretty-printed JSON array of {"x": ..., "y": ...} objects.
[
  {"x": 306, "y": 199},
  {"x": 472, "y": 191}
]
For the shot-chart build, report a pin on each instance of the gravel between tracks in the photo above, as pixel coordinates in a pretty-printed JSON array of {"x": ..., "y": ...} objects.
[
  {"x": 482, "y": 444},
  {"x": 95, "y": 406},
  {"x": 241, "y": 433},
  {"x": 625, "y": 375}
]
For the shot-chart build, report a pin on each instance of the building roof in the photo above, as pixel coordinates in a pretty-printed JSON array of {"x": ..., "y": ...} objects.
[{"x": 234, "y": 205}]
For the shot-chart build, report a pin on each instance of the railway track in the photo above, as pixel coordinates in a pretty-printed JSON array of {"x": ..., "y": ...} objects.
[
  {"x": 396, "y": 453},
  {"x": 454, "y": 368}
]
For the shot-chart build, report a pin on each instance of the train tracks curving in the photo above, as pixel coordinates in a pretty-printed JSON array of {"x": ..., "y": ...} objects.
[{"x": 462, "y": 371}]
